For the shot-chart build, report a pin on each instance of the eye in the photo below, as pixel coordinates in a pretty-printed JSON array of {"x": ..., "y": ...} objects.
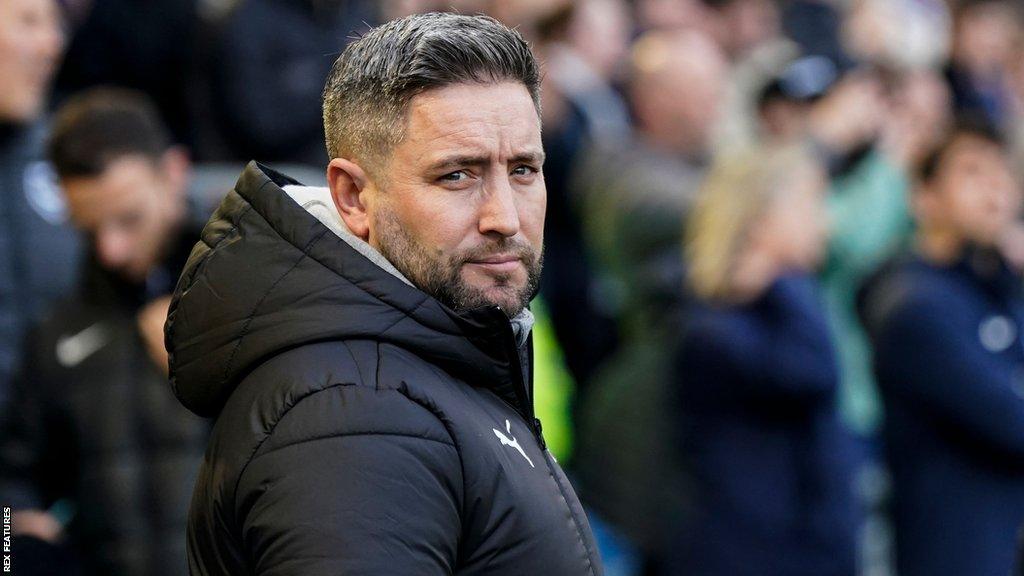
[
  {"x": 524, "y": 170},
  {"x": 457, "y": 176}
]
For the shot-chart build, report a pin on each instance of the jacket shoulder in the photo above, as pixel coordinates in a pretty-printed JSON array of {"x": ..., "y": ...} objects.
[
  {"x": 313, "y": 392},
  {"x": 903, "y": 292},
  {"x": 321, "y": 390},
  {"x": 305, "y": 411}
]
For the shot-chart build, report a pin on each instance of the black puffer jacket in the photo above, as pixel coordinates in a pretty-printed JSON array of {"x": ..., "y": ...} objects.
[{"x": 362, "y": 427}]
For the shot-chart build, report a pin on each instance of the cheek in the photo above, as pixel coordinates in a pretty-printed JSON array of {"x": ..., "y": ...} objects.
[
  {"x": 967, "y": 206},
  {"x": 532, "y": 212},
  {"x": 152, "y": 229},
  {"x": 436, "y": 220}
]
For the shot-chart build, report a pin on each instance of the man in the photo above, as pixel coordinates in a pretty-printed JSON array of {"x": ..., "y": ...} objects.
[
  {"x": 627, "y": 469},
  {"x": 676, "y": 83},
  {"x": 366, "y": 349},
  {"x": 94, "y": 447},
  {"x": 946, "y": 323},
  {"x": 38, "y": 249}
]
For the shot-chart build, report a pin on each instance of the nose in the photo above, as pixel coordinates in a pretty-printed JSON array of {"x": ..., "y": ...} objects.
[{"x": 499, "y": 214}]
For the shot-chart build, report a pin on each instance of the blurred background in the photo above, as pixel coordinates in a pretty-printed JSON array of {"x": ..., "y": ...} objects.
[{"x": 779, "y": 324}]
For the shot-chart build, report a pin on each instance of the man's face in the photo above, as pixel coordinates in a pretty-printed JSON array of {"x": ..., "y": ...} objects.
[
  {"x": 128, "y": 212},
  {"x": 677, "y": 90},
  {"x": 974, "y": 194},
  {"x": 460, "y": 206},
  {"x": 31, "y": 42}
]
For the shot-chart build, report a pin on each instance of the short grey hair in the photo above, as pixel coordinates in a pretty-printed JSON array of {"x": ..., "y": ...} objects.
[{"x": 371, "y": 84}]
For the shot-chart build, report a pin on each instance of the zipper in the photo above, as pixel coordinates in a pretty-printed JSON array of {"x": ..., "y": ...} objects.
[
  {"x": 540, "y": 433},
  {"x": 521, "y": 389}
]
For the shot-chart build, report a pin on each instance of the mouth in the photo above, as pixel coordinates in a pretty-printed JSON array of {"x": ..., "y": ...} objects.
[{"x": 502, "y": 263}]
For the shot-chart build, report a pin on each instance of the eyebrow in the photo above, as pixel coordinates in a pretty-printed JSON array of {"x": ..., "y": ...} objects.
[{"x": 470, "y": 160}]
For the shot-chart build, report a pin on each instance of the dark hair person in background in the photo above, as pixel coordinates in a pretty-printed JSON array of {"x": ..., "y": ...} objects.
[
  {"x": 38, "y": 250},
  {"x": 770, "y": 463},
  {"x": 95, "y": 448},
  {"x": 366, "y": 348},
  {"x": 946, "y": 323}
]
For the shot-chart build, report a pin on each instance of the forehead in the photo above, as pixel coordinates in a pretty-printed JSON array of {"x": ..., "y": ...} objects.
[
  {"x": 964, "y": 151},
  {"x": 969, "y": 145},
  {"x": 494, "y": 119},
  {"x": 9, "y": 9}
]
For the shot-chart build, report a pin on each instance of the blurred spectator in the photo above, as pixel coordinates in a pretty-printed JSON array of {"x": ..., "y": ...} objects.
[
  {"x": 675, "y": 87},
  {"x": 755, "y": 58},
  {"x": 38, "y": 250},
  {"x": 268, "y": 69},
  {"x": 946, "y": 322},
  {"x": 584, "y": 50},
  {"x": 142, "y": 44},
  {"x": 986, "y": 40},
  {"x": 634, "y": 195},
  {"x": 583, "y": 44},
  {"x": 871, "y": 132},
  {"x": 873, "y": 140},
  {"x": 739, "y": 26},
  {"x": 770, "y": 462},
  {"x": 785, "y": 102},
  {"x": 871, "y": 129},
  {"x": 95, "y": 441},
  {"x": 899, "y": 34}
]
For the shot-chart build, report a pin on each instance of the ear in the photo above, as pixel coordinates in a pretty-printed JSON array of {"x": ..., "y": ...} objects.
[
  {"x": 176, "y": 167},
  {"x": 348, "y": 182}
]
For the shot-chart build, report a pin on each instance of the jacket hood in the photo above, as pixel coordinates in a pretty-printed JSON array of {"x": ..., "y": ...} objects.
[{"x": 270, "y": 274}]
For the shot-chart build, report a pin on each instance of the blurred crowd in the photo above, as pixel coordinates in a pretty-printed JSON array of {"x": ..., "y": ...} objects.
[{"x": 779, "y": 327}]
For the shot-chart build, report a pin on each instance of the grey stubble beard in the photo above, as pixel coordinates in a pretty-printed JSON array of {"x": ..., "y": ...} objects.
[{"x": 440, "y": 276}]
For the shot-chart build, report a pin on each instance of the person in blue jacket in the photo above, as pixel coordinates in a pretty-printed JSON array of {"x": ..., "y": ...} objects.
[
  {"x": 769, "y": 460},
  {"x": 39, "y": 249},
  {"x": 946, "y": 323}
]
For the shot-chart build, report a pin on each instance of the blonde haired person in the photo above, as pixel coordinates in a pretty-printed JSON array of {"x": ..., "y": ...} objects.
[
  {"x": 759, "y": 211},
  {"x": 757, "y": 375}
]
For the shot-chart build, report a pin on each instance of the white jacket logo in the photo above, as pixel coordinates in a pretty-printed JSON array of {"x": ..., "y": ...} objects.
[
  {"x": 513, "y": 442},
  {"x": 73, "y": 349}
]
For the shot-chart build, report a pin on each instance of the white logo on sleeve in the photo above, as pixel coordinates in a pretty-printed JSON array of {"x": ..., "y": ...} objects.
[
  {"x": 42, "y": 190},
  {"x": 996, "y": 333},
  {"x": 513, "y": 442},
  {"x": 72, "y": 349}
]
